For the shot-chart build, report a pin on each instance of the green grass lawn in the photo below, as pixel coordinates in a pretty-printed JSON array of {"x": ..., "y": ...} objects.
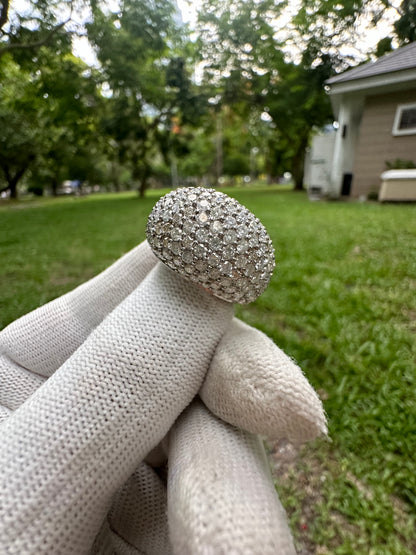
[{"x": 342, "y": 302}]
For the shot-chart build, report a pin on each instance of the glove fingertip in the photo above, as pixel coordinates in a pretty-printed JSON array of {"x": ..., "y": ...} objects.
[{"x": 255, "y": 386}]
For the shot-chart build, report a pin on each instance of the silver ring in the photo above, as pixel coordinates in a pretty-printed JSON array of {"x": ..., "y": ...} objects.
[{"x": 211, "y": 239}]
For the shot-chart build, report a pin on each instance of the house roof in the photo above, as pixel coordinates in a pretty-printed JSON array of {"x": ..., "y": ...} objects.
[{"x": 398, "y": 60}]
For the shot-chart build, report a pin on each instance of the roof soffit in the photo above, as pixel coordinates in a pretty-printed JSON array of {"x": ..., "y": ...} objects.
[{"x": 377, "y": 83}]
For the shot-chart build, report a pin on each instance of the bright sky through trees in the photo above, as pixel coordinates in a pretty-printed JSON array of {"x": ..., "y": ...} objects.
[
  {"x": 370, "y": 36},
  {"x": 189, "y": 10}
]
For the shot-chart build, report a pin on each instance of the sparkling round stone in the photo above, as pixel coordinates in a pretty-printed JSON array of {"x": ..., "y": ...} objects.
[
  {"x": 203, "y": 217},
  {"x": 226, "y": 268},
  {"x": 187, "y": 256},
  {"x": 176, "y": 234},
  {"x": 201, "y": 235},
  {"x": 187, "y": 242},
  {"x": 228, "y": 251},
  {"x": 241, "y": 262},
  {"x": 215, "y": 242},
  {"x": 175, "y": 247},
  {"x": 189, "y": 212},
  {"x": 201, "y": 265},
  {"x": 253, "y": 241},
  {"x": 213, "y": 259},
  {"x": 250, "y": 269},
  {"x": 216, "y": 226},
  {"x": 216, "y": 212},
  {"x": 188, "y": 226},
  {"x": 230, "y": 236},
  {"x": 229, "y": 221},
  {"x": 242, "y": 246},
  {"x": 200, "y": 250},
  {"x": 159, "y": 229}
]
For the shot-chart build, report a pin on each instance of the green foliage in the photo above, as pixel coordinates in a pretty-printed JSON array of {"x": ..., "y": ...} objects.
[
  {"x": 323, "y": 24},
  {"x": 142, "y": 53},
  {"x": 237, "y": 37},
  {"x": 19, "y": 139},
  {"x": 24, "y": 29},
  {"x": 383, "y": 47},
  {"x": 327, "y": 25},
  {"x": 400, "y": 164},
  {"x": 243, "y": 56},
  {"x": 141, "y": 108},
  {"x": 70, "y": 118},
  {"x": 199, "y": 161},
  {"x": 405, "y": 26},
  {"x": 50, "y": 118},
  {"x": 79, "y": 130}
]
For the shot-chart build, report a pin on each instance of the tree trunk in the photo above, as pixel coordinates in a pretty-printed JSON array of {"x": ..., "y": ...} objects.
[
  {"x": 143, "y": 176},
  {"x": 298, "y": 163},
  {"x": 13, "y": 189},
  {"x": 115, "y": 176},
  {"x": 143, "y": 185},
  {"x": 219, "y": 147},
  {"x": 13, "y": 180},
  {"x": 54, "y": 185}
]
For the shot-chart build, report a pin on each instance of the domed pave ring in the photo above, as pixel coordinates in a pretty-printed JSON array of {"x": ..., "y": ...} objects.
[{"x": 210, "y": 239}]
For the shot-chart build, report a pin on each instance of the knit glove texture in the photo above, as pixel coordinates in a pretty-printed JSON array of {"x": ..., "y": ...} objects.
[{"x": 93, "y": 391}]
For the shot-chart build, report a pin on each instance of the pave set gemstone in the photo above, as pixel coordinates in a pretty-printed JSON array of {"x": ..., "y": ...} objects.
[{"x": 211, "y": 239}]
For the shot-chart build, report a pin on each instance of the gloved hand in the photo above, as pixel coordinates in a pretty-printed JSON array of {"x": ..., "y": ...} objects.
[{"x": 124, "y": 355}]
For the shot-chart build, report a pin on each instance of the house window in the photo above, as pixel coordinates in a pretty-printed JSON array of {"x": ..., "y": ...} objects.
[{"x": 405, "y": 120}]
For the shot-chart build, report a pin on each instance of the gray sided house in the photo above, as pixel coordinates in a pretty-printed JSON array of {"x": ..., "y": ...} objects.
[{"x": 375, "y": 106}]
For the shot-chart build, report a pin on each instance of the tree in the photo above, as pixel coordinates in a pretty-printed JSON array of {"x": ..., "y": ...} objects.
[
  {"x": 405, "y": 26},
  {"x": 19, "y": 139},
  {"x": 48, "y": 119},
  {"x": 241, "y": 52},
  {"x": 140, "y": 51},
  {"x": 69, "y": 117},
  {"x": 328, "y": 25},
  {"x": 39, "y": 23},
  {"x": 296, "y": 105}
]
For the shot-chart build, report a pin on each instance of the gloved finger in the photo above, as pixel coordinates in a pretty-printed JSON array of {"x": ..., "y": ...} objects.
[
  {"x": 254, "y": 385},
  {"x": 76, "y": 440},
  {"x": 42, "y": 340},
  {"x": 34, "y": 346},
  {"x": 221, "y": 498},
  {"x": 137, "y": 522}
]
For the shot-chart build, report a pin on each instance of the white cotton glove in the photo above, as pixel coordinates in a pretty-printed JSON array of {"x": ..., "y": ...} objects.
[
  {"x": 220, "y": 496},
  {"x": 78, "y": 437},
  {"x": 127, "y": 352}
]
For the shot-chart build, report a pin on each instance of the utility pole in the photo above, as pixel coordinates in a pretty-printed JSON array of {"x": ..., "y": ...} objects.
[{"x": 219, "y": 164}]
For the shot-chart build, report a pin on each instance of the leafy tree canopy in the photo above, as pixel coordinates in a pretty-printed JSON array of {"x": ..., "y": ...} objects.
[
  {"x": 242, "y": 38},
  {"x": 38, "y": 23}
]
